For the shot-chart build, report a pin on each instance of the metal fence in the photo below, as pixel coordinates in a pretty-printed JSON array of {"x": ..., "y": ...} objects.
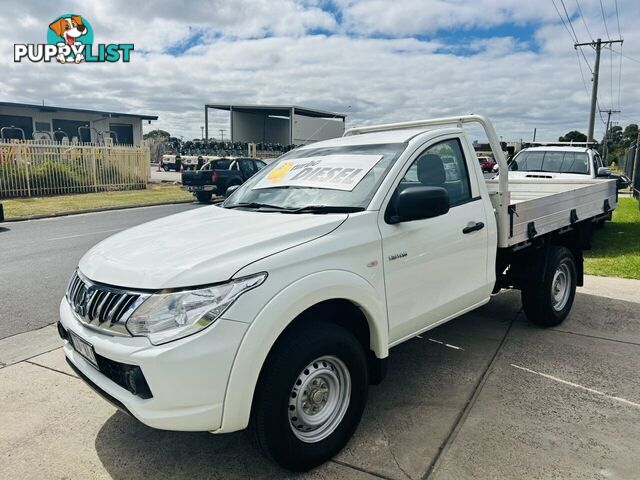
[
  {"x": 30, "y": 168},
  {"x": 632, "y": 169}
]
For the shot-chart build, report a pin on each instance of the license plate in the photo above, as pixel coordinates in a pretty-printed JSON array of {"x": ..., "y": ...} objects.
[{"x": 84, "y": 348}]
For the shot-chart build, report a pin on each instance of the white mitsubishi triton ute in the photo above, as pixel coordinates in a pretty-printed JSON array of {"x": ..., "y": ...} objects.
[{"x": 284, "y": 302}]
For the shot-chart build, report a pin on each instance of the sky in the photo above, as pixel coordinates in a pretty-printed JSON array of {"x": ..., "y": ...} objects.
[{"x": 378, "y": 61}]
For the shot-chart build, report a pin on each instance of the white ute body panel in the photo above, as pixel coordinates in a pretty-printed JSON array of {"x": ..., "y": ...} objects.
[{"x": 406, "y": 278}]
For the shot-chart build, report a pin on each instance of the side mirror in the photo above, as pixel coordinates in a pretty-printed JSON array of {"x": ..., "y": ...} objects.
[
  {"x": 231, "y": 189},
  {"x": 418, "y": 203},
  {"x": 622, "y": 181},
  {"x": 604, "y": 172}
]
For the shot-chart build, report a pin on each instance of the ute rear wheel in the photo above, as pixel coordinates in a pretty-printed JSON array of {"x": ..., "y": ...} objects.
[
  {"x": 311, "y": 395},
  {"x": 204, "y": 197},
  {"x": 547, "y": 301}
]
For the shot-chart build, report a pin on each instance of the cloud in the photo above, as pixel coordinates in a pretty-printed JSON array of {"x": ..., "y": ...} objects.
[{"x": 378, "y": 61}]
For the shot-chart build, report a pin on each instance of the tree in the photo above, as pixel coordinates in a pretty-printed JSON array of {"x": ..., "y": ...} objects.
[
  {"x": 630, "y": 135},
  {"x": 157, "y": 133},
  {"x": 619, "y": 140},
  {"x": 573, "y": 136}
]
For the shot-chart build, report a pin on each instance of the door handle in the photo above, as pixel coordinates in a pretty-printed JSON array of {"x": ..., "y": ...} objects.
[{"x": 473, "y": 228}]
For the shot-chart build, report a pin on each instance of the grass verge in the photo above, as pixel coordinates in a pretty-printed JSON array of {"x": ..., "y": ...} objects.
[
  {"x": 616, "y": 249},
  {"x": 28, "y": 207}
]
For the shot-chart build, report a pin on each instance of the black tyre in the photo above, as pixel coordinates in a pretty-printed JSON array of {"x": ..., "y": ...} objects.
[
  {"x": 311, "y": 395},
  {"x": 204, "y": 197},
  {"x": 547, "y": 301}
]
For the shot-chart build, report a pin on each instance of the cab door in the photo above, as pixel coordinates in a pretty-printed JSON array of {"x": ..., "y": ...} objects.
[{"x": 437, "y": 267}]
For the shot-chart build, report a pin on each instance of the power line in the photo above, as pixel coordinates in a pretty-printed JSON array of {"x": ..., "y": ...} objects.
[
  {"x": 568, "y": 18},
  {"x": 584, "y": 82},
  {"x": 623, "y": 55},
  {"x": 619, "y": 80},
  {"x": 597, "y": 45},
  {"x": 618, "y": 19},
  {"x": 583, "y": 20},
  {"x": 611, "y": 76},
  {"x": 620, "y": 65},
  {"x": 606, "y": 29},
  {"x": 573, "y": 39}
]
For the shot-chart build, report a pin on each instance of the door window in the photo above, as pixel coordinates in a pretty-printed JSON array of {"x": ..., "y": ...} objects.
[
  {"x": 248, "y": 168},
  {"x": 441, "y": 165}
]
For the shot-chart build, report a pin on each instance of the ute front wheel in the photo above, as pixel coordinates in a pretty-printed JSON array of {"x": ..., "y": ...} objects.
[{"x": 311, "y": 395}]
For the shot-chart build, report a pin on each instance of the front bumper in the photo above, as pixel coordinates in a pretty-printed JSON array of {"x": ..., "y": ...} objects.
[{"x": 187, "y": 377}]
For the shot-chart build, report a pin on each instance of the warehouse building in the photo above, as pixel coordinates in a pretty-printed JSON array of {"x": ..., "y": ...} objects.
[
  {"x": 278, "y": 124},
  {"x": 60, "y": 123}
]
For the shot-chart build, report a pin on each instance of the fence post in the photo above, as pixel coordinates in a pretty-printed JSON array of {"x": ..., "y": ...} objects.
[
  {"x": 145, "y": 164},
  {"x": 94, "y": 166},
  {"x": 27, "y": 163}
]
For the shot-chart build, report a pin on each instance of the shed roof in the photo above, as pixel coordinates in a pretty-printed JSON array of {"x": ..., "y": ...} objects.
[
  {"x": 278, "y": 110},
  {"x": 50, "y": 108}
]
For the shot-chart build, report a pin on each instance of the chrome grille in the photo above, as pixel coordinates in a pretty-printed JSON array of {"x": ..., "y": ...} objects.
[{"x": 102, "y": 307}]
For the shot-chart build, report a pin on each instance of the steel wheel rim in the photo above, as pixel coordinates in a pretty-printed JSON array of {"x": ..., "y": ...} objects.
[
  {"x": 561, "y": 286},
  {"x": 319, "y": 399}
]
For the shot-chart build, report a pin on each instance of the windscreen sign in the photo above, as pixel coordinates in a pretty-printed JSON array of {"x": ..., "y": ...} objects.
[
  {"x": 70, "y": 40},
  {"x": 333, "y": 172}
]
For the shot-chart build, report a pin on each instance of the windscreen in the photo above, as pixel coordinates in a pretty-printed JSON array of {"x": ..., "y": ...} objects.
[
  {"x": 344, "y": 176},
  {"x": 551, "y": 161}
]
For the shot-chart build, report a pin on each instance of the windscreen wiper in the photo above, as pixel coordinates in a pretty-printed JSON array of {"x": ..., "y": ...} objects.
[
  {"x": 261, "y": 206},
  {"x": 325, "y": 209},
  {"x": 264, "y": 207}
]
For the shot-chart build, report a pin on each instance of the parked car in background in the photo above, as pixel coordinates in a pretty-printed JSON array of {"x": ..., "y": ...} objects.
[
  {"x": 217, "y": 176},
  {"x": 562, "y": 163},
  {"x": 190, "y": 162},
  {"x": 171, "y": 162},
  {"x": 486, "y": 164}
]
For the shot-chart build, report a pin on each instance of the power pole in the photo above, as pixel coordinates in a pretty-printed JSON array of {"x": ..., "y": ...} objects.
[
  {"x": 594, "y": 88},
  {"x": 605, "y": 146},
  {"x": 222, "y": 130}
]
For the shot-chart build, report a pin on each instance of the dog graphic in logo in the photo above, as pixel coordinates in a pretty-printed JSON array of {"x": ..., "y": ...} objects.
[{"x": 69, "y": 28}]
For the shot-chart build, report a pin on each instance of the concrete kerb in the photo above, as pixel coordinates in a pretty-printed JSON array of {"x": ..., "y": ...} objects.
[{"x": 93, "y": 210}]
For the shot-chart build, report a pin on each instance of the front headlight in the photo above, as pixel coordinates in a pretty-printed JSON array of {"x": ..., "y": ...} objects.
[{"x": 164, "y": 317}]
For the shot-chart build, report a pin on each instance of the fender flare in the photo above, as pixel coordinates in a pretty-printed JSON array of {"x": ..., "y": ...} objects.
[{"x": 277, "y": 314}]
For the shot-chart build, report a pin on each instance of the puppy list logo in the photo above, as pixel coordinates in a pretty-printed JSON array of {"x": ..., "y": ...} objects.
[{"x": 70, "y": 40}]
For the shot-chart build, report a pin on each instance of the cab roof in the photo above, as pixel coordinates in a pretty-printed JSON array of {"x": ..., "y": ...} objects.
[{"x": 557, "y": 149}]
